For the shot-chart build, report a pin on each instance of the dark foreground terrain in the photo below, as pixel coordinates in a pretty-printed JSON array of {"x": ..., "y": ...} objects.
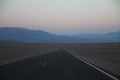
[
  {"x": 12, "y": 50},
  {"x": 103, "y": 55},
  {"x": 55, "y": 65}
]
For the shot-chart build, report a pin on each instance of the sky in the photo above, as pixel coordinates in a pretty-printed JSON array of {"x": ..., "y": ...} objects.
[{"x": 62, "y": 16}]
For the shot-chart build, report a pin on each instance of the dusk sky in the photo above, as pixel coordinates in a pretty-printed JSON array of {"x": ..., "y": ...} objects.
[{"x": 62, "y": 16}]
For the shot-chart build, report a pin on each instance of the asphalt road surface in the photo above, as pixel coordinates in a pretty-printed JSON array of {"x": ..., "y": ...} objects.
[{"x": 56, "y": 65}]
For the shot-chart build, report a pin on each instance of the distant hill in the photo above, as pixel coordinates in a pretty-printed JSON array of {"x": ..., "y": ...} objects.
[
  {"x": 26, "y": 35},
  {"x": 112, "y": 36},
  {"x": 22, "y": 34}
]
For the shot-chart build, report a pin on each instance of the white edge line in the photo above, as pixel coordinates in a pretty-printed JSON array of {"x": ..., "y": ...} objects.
[
  {"x": 19, "y": 59},
  {"x": 80, "y": 58}
]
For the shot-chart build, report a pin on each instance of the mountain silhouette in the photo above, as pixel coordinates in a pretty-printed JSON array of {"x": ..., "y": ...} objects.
[{"x": 28, "y": 35}]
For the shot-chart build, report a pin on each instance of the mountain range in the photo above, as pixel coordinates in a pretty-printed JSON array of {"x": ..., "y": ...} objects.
[{"x": 27, "y": 35}]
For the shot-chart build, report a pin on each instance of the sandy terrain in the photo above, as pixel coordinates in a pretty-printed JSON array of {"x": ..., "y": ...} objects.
[
  {"x": 9, "y": 50},
  {"x": 104, "y": 55}
]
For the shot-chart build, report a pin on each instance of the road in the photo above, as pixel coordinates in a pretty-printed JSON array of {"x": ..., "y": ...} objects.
[{"x": 56, "y": 65}]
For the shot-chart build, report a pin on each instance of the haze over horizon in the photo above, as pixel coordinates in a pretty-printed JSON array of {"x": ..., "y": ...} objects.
[{"x": 62, "y": 16}]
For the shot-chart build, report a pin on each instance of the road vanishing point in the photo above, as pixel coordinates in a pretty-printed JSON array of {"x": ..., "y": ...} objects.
[{"x": 55, "y": 65}]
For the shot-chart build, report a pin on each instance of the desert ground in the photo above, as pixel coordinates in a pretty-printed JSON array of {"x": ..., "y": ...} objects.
[
  {"x": 103, "y": 55},
  {"x": 11, "y": 50}
]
